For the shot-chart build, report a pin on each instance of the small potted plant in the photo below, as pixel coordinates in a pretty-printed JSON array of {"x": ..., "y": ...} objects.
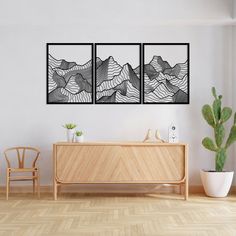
[
  {"x": 70, "y": 131},
  {"x": 217, "y": 182},
  {"x": 79, "y": 136}
]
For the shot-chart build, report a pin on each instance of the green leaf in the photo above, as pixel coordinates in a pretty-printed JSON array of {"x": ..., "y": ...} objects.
[
  {"x": 78, "y": 133},
  {"x": 69, "y": 126},
  {"x": 219, "y": 134},
  {"x": 209, "y": 144},
  {"x": 232, "y": 136},
  {"x": 225, "y": 114},
  {"x": 208, "y": 115},
  {"x": 235, "y": 118},
  {"x": 217, "y": 109},
  {"x": 220, "y": 160},
  {"x": 213, "y": 90}
]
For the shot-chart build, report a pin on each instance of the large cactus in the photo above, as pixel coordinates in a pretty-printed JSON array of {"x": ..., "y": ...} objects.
[{"x": 216, "y": 117}]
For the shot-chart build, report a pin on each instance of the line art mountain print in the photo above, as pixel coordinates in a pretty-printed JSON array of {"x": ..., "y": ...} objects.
[
  {"x": 69, "y": 82},
  {"x": 164, "y": 83},
  {"x": 116, "y": 83},
  {"x": 118, "y": 73}
]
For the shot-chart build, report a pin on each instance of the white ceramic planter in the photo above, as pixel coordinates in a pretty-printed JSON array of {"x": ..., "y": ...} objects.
[
  {"x": 79, "y": 139},
  {"x": 70, "y": 133},
  {"x": 216, "y": 184}
]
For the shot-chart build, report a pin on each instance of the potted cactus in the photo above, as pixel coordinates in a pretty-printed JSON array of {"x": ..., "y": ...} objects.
[{"x": 217, "y": 182}]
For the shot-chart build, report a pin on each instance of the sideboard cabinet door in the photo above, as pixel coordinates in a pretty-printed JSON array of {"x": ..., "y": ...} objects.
[{"x": 119, "y": 163}]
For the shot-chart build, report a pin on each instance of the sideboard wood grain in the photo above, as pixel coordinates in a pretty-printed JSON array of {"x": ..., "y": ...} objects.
[{"x": 123, "y": 162}]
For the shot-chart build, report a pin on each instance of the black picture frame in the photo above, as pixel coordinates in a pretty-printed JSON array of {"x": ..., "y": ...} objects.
[
  {"x": 188, "y": 73},
  {"x": 140, "y": 75},
  {"x": 92, "y": 73}
]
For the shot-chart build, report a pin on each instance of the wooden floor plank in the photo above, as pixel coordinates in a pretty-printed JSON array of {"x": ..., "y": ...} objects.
[{"x": 110, "y": 214}]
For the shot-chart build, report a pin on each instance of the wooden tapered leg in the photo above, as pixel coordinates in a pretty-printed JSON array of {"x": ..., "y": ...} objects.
[
  {"x": 33, "y": 186},
  {"x": 33, "y": 182},
  {"x": 186, "y": 173},
  {"x": 38, "y": 184},
  {"x": 58, "y": 188},
  {"x": 186, "y": 189},
  {"x": 55, "y": 189},
  {"x": 7, "y": 183}
]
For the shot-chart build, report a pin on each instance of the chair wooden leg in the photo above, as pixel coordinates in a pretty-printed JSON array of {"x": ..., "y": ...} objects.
[
  {"x": 33, "y": 186},
  {"x": 33, "y": 182},
  {"x": 38, "y": 184},
  {"x": 59, "y": 188},
  {"x": 7, "y": 183},
  {"x": 186, "y": 189}
]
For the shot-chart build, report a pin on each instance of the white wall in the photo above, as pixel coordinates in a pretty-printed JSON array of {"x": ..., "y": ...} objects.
[
  {"x": 234, "y": 56},
  {"x": 112, "y": 12},
  {"x": 234, "y": 9},
  {"x": 27, "y": 120},
  {"x": 234, "y": 84}
]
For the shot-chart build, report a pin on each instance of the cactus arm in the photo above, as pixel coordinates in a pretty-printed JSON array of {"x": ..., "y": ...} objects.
[
  {"x": 217, "y": 109},
  {"x": 225, "y": 114},
  {"x": 209, "y": 144},
  {"x": 208, "y": 115},
  {"x": 232, "y": 136},
  {"x": 213, "y": 90},
  {"x": 219, "y": 134}
]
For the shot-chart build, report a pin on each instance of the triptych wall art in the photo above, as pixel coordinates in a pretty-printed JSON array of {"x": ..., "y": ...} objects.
[{"x": 112, "y": 73}]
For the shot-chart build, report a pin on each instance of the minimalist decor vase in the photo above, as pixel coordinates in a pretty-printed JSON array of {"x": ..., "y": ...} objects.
[
  {"x": 79, "y": 139},
  {"x": 70, "y": 135}
]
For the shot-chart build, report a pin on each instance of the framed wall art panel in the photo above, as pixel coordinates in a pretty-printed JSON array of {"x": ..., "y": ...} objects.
[
  {"x": 117, "y": 73},
  {"x": 69, "y": 73},
  {"x": 166, "y": 73}
]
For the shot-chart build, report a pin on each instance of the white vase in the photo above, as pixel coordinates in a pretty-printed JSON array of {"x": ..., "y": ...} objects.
[
  {"x": 70, "y": 133},
  {"x": 216, "y": 184},
  {"x": 79, "y": 139}
]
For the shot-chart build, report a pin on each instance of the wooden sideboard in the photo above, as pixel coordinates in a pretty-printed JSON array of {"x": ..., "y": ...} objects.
[{"x": 121, "y": 162}]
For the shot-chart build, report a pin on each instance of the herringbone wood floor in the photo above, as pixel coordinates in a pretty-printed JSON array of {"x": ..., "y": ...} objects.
[{"x": 76, "y": 214}]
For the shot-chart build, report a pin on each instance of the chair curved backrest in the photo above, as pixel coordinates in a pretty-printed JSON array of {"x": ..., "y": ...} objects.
[{"x": 21, "y": 155}]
